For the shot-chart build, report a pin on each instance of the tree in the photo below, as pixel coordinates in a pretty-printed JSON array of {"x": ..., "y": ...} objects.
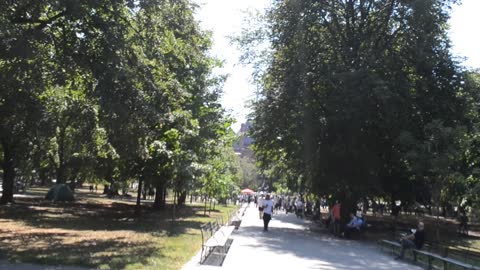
[
  {"x": 123, "y": 90},
  {"x": 72, "y": 126},
  {"x": 352, "y": 90},
  {"x": 23, "y": 50}
]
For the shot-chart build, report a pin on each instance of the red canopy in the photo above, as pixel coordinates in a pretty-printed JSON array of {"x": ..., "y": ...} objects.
[{"x": 247, "y": 191}]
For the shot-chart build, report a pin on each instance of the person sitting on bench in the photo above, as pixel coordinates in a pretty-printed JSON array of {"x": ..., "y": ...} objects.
[
  {"x": 414, "y": 240},
  {"x": 353, "y": 226}
]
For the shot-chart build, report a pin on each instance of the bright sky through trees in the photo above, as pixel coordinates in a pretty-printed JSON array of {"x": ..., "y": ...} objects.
[
  {"x": 464, "y": 32},
  {"x": 224, "y": 18}
]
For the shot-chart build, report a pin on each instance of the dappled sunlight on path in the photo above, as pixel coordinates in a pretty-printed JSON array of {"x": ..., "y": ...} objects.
[{"x": 290, "y": 245}]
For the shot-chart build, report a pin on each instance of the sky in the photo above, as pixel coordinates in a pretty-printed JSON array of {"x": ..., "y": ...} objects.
[{"x": 225, "y": 17}]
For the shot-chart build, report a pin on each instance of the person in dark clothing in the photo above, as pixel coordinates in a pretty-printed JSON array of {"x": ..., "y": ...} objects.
[
  {"x": 463, "y": 222},
  {"x": 414, "y": 240}
]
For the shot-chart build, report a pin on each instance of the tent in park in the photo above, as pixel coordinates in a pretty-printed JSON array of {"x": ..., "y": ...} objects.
[{"x": 60, "y": 192}]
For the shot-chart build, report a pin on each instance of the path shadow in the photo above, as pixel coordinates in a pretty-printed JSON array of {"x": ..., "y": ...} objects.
[{"x": 290, "y": 236}]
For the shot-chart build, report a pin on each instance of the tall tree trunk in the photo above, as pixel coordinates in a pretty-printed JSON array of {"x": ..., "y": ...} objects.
[
  {"x": 164, "y": 194},
  {"x": 8, "y": 174},
  {"x": 61, "y": 173},
  {"x": 210, "y": 208},
  {"x": 174, "y": 205},
  {"x": 182, "y": 198},
  {"x": 61, "y": 178},
  {"x": 43, "y": 176},
  {"x": 144, "y": 193},
  {"x": 109, "y": 179},
  {"x": 205, "y": 208},
  {"x": 106, "y": 189},
  {"x": 347, "y": 207},
  {"x": 139, "y": 194},
  {"x": 159, "y": 202}
]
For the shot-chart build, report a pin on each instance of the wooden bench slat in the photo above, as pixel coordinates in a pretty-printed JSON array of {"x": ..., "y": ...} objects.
[
  {"x": 393, "y": 243},
  {"x": 220, "y": 238},
  {"x": 212, "y": 242},
  {"x": 228, "y": 230},
  {"x": 442, "y": 258}
]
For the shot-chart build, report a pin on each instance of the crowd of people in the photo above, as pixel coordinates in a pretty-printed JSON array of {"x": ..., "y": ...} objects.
[
  {"x": 288, "y": 204},
  {"x": 269, "y": 205},
  {"x": 356, "y": 222}
]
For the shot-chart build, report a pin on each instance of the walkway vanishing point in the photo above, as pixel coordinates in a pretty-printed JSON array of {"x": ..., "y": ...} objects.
[{"x": 289, "y": 244}]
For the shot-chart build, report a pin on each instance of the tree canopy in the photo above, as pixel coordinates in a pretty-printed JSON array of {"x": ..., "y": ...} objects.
[
  {"x": 110, "y": 91},
  {"x": 362, "y": 99}
]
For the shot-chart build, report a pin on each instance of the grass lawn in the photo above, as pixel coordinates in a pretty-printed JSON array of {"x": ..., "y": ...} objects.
[{"x": 101, "y": 233}]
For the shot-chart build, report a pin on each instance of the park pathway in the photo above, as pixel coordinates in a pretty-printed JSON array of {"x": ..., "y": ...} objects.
[{"x": 289, "y": 244}]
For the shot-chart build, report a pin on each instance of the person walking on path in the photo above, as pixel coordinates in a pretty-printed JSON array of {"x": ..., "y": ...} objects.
[
  {"x": 260, "y": 207},
  {"x": 414, "y": 240},
  {"x": 299, "y": 208},
  {"x": 267, "y": 212}
]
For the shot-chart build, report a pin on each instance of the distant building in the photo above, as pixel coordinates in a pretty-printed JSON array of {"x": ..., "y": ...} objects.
[
  {"x": 242, "y": 146},
  {"x": 245, "y": 127}
]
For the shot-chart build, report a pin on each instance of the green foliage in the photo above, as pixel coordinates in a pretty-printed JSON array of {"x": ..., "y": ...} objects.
[
  {"x": 70, "y": 125},
  {"x": 249, "y": 173},
  {"x": 221, "y": 174},
  {"x": 111, "y": 91},
  {"x": 361, "y": 98}
]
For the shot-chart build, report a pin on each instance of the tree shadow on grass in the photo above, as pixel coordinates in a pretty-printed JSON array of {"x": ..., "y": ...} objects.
[
  {"x": 52, "y": 249},
  {"x": 96, "y": 234},
  {"x": 96, "y": 216}
]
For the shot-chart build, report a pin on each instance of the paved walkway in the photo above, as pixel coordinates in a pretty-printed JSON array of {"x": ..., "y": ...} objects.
[{"x": 290, "y": 245}]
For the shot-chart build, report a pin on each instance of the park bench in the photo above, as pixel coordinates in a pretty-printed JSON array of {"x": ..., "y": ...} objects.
[
  {"x": 459, "y": 253},
  {"x": 236, "y": 219},
  {"x": 215, "y": 239},
  {"x": 391, "y": 244},
  {"x": 431, "y": 257},
  {"x": 220, "y": 226}
]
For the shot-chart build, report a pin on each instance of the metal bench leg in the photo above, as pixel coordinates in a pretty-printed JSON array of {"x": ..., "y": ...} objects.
[{"x": 201, "y": 254}]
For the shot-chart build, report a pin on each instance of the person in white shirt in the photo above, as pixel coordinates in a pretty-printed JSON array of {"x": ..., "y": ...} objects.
[
  {"x": 299, "y": 208},
  {"x": 267, "y": 212},
  {"x": 260, "y": 207}
]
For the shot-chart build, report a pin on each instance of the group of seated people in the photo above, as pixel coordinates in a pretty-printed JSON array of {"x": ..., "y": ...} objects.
[{"x": 355, "y": 225}]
